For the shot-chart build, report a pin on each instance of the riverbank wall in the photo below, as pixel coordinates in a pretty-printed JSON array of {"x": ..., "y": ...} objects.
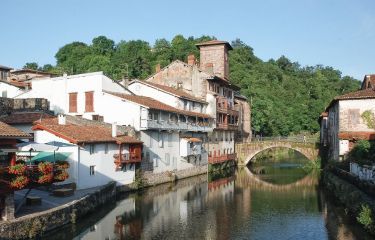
[
  {"x": 34, "y": 225},
  {"x": 359, "y": 204}
]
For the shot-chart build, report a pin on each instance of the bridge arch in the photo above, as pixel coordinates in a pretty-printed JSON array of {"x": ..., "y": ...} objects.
[{"x": 246, "y": 151}]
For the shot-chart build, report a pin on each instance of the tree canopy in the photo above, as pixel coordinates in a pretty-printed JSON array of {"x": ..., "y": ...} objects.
[{"x": 285, "y": 97}]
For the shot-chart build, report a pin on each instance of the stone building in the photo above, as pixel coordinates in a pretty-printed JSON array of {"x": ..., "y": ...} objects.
[
  {"x": 347, "y": 119},
  {"x": 209, "y": 81}
]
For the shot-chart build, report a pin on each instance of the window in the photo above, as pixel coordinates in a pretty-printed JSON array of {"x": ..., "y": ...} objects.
[
  {"x": 167, "y": 159},
  {"x": 72, "y": 102},
  {"x": 170, "y": 140},
  {"x": 92, "y": 149},
  {"x": 92, "y": 170},
  {"x": 4, "y": 93},
  {"x": 156, "y": 162},
  {"x": 106, "y": 148},
  {"x": 89, "y": 101},
  {"x": 161, "y": 139},
  {"x": 98, "y": 118}
]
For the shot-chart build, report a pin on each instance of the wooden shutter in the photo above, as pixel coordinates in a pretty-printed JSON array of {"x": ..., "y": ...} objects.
[
  {"x": 89, "y": 103},
  {"x": 72, "y": 102}
]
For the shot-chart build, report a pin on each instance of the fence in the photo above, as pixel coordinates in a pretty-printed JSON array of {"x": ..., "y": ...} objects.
[{"x": 286, "y": 139}]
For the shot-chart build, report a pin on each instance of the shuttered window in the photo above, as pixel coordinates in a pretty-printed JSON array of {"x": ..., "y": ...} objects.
[
  {"x": 72, "y": 102},
  {"x": 89, "y": 102}
]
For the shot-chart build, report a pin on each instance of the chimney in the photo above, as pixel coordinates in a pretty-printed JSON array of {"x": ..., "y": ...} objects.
[
  {"x": 125, "y": 82},
  {"x": 61, "y": 120},
  {"x": 209, "y": 67},
  {"x": 157, "y": 68},
  {"x": 191, "y": 59},
  {"x": 114, "y": 129}
]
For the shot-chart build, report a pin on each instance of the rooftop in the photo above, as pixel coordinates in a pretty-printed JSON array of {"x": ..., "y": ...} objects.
[
  {"x": 214, "y": 42},
  {"x": 155, "y": 104},
  {"x": 7, "y": 131},
  {"x": 24, "y": 117},
  {"x": 4, "y": 67},
  {"x": 360, "y": 94},
  {"x": 98, "y": 133},
  {"x": 171, "y": 90}
]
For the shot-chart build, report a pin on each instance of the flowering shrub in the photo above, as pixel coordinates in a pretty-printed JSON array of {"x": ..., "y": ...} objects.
[
  {"x": 19, "y": 182},
  {"x": 45, "y": 167},
  {"x": 61, "y": 176},
  {"x": 62, "y": 165},
  {"x": 17, "y": 169},
  {"x": 46, "y": 178}
]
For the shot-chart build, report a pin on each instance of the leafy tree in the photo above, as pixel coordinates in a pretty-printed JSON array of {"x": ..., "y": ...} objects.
[{"x": 31, "y": 65}]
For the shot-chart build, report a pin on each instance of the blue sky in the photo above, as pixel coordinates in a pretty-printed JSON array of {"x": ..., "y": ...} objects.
[{"x": 338, "y": 33}]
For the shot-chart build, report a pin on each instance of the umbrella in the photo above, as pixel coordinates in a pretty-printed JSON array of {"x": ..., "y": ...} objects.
[
  {"x": 33, "y": 146},
  {"x": 59, "y": 144},
  {"x": 51, "y": 156}
]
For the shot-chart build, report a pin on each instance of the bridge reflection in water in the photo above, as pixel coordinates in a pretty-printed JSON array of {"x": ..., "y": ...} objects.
[{"x": 227, "y": 205}]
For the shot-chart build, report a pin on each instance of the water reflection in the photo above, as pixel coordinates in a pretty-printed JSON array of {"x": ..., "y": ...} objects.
[{"x": 226, "y": 205}]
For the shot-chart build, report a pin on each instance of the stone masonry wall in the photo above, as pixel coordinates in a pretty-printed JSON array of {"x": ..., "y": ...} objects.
[
  {"x": 33, "y": 225},
  {"x": 8, "y": 105}
]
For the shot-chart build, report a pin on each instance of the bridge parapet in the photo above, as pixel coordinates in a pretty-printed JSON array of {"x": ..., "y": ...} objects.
[{"x": 246, "y": 151}]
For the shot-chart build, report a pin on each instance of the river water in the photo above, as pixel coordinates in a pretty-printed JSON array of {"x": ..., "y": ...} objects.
[{"x": 273, "y": 199}]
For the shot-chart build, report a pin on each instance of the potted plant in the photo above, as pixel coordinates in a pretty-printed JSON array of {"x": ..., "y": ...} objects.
[
  {"x": 19, "y": 182},
  {"x": 60, "y": 165},
  {"x": 61, "y": 176},
  {"x": 46, "y": 178},
  {"x": 45, "y": 167},
  {"x": 18, "y": 169}
]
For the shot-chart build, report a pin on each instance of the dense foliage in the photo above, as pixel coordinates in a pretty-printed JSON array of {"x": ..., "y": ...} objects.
[
  {"x": 286, "y": 98},
  {"x": 363, "y": 152}
]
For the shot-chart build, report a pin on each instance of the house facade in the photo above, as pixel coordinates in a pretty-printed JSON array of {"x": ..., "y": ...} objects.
[
  {"x": 98, "y": 152},
  {"x": 210, "y": 82},
  {"x": 347, "y": 119}
]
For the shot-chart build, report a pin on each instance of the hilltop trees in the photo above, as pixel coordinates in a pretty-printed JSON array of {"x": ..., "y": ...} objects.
[{"x": 286, "y": 97}]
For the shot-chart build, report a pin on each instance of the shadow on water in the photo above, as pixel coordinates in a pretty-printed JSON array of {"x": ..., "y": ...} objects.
[{"x": 277, "y": 203}]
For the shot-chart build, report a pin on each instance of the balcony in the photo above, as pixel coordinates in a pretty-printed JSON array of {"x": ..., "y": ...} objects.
[
  {"x": 221, "y": 158},
  {"x": 225, "y": 126},
  {"x": 223, "y": 106},
  {"x": 127, "y": 158},
  {"x": 179, "y": 126}
]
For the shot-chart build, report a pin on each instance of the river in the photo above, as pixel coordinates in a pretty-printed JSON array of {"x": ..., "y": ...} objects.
[{"x": 273, "y": 199}]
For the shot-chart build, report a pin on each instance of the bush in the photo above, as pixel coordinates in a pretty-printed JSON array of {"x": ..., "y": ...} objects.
[
  {"x": 363, "y": 152},
  {"x": 365, "y": 217}
]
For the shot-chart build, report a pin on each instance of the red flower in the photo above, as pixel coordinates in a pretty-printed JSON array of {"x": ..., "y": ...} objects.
[
  {"x": 45, "y": 167},
  {"x": 19, "y": 182},
  {"x": 17, "y": 169}
]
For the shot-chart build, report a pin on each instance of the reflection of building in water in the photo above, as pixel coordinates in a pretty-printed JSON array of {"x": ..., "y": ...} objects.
[{"x": 111, "y": 226}]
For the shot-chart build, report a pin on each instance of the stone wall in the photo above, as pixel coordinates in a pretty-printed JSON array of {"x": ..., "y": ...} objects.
[
  {"x": 8, "y": 105},
  {"x": 33, "y": 225},
  {"x": 151, "y": 179}
]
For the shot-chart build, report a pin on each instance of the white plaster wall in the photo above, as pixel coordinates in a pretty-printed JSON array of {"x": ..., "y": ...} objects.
[
  {"x": 361, "y": 104},
  {"x": 9, "y": 90},
  {"x": 211, "y": 108},
  {"x": 80, "y": 161}
]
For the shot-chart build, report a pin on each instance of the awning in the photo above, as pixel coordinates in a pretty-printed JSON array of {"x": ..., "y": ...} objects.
[
  {"x": 33, "y": 146},
  {"x": 51, "y": 157}
]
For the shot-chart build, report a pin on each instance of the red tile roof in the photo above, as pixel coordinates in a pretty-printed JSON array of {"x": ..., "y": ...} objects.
[
  {"x": 214, "y": 42},
  {"x": 7, "y": 131},
  {"x": 154, "y": 104},
  {"x": 24, "y": 117},
  {"x": 82, "y": 133},
  {"x": 361, "y": 94},
  {"x": 173, "y": 91},
  {"x": 357, "y": 135}
]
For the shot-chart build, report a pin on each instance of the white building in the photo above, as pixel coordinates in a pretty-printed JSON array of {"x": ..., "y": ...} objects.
[
  {"x": 97, "y": 153},
  {"x": 344, "y": 122},
  {"x": 11, "y": 89}
]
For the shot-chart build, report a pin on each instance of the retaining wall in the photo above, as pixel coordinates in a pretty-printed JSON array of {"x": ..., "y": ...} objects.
[{"x": 33, "y": 225}]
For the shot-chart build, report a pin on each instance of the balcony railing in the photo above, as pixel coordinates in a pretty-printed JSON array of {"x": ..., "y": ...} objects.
[
  {"x": 221, "y": 158},
  {"x": 128, "y": 158},
  {"x": 169, "y": 125},
  {"x": 226, "y": 126}
]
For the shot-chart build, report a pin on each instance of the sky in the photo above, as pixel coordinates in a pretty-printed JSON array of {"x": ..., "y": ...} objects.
[{"x": 337, "y": 33}]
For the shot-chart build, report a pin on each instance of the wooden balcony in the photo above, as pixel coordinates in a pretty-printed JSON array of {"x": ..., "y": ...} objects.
[
  {"x": 128, "y": 158},
  {"x": 221, "y": 158},
  {"x": 226, "y": 126}
]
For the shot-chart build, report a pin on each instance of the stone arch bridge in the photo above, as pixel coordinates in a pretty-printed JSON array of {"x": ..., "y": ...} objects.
[{"x": 246, "y": 151}]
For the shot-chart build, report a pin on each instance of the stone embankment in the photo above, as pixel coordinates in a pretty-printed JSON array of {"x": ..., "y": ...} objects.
[
  {"x": 33, "y": 225},
  {"x": 347, "y": 191}
]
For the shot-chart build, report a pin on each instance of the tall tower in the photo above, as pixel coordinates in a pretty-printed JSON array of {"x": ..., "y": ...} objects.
[{"x": 214, "y": 57}]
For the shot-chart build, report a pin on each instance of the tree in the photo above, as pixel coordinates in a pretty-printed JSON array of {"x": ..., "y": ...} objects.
[
  {"x": 102, "y": 45},
  {"x": 31, "y": 65}
]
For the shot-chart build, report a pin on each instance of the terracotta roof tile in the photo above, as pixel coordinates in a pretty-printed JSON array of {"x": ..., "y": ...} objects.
[
  {"x": 82, "y": 133},
  {"x": 7, "y": 131},
  {"x": 357, "y": 135},
  {"x": 24, "y": 117},
  {"x": 172, "y": 90},
  {"x": 361, "y": 94},
  {"x": 154, "y": 104}
]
